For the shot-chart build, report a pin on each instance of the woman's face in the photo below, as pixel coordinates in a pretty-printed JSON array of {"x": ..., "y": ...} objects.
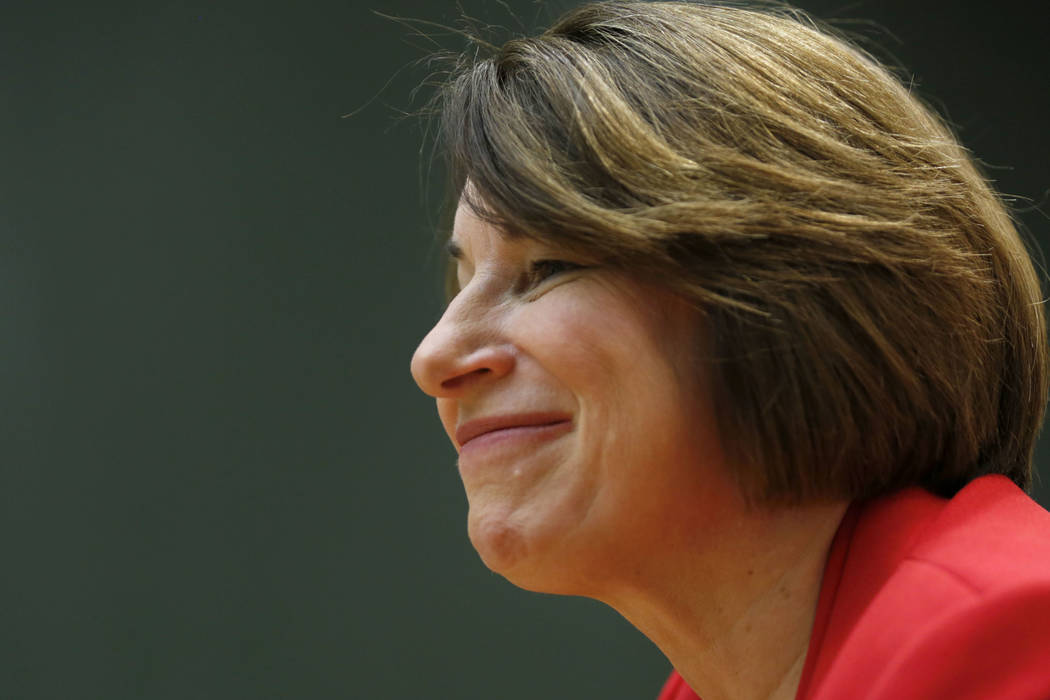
[{"x": 585, "y": 438}]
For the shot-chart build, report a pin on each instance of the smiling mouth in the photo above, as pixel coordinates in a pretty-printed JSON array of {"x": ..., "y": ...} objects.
[{"x": 509, "y": 426}]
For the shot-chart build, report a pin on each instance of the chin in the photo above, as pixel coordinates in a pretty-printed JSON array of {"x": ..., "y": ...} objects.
[
  {"x": 528, "y": 559},
  {"x": 501, "y": 545}
]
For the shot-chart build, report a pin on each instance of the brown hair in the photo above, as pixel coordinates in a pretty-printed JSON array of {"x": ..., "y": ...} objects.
[{"x": 872, "y": 318}]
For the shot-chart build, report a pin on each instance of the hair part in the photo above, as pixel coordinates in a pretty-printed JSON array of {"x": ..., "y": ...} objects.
[{"x": 872, "y": 318}]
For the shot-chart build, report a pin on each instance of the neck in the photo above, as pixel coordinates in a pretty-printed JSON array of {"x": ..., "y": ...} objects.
[{"x": 735, "y": 618}]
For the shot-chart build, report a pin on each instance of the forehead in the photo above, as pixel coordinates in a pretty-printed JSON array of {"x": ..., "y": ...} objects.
[
  {"x": 477, "y": 232},
  {"x": 466, "y": 225},
  {"x": 473, "y": 236}
]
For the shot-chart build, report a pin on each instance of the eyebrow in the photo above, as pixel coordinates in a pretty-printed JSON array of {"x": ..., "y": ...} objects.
[{"x": 454, "y": 250}]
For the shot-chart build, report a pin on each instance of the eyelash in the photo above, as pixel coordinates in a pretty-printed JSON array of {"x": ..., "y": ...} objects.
[{"x": 541, "y": 270}]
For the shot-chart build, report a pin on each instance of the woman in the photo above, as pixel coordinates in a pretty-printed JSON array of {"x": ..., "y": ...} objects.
[{"x": 744, "y": 346}]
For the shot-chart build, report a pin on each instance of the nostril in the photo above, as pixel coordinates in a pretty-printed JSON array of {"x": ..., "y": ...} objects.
[{"x": 460, "y": 380}]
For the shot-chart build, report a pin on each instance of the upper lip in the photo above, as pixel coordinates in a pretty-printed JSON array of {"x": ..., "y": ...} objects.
[{"x": 479, "y": 426}]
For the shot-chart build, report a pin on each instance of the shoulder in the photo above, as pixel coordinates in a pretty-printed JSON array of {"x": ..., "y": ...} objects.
[
  {"x": 931, "y": 634},
  {"x": 991, "y": 535},
  {"x": 988, "y": 543},
  {"x": 996, "y": 646},
  {"x": 941, "y": 598},
  {"x": 987, "y": 540}
]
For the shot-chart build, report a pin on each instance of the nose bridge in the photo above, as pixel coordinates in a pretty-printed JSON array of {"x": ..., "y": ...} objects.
[
  {"x": 464, "y": 343},
  {"x": 460, "y": 326}
]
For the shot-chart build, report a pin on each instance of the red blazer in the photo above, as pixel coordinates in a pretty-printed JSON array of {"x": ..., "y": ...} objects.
[{"x": 928, "y": 598}]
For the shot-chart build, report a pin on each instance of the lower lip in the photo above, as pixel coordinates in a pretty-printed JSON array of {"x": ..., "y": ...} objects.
[{"x": 516, "y": 438}]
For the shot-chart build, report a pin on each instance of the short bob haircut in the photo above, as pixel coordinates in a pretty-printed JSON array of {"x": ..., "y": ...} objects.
[{"x": 871, "y": 318}]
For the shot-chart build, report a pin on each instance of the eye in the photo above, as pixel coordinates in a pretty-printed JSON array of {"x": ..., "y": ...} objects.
[{"x": 541, "y": 270}]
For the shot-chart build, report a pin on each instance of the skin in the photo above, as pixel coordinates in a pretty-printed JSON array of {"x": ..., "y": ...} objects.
[{"x": 620, "y": 491}]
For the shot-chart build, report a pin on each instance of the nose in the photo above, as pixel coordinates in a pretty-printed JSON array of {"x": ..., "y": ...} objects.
[{"x": 463, "y": 352}]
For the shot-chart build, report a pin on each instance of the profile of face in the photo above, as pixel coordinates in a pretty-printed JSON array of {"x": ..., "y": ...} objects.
[{"x": 586, "y": 439}]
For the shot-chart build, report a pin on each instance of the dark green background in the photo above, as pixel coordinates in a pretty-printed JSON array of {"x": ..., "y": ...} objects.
[{"x": 217, "y": 478}]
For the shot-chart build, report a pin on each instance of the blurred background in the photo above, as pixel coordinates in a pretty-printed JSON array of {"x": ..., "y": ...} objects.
[{"x": 217, "y": 479}]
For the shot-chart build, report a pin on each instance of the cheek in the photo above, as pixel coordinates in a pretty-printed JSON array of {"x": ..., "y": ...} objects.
[
  {"x": 628, "y": 358},
  {"x": 576, "y": 327},
  {"x": 607, "y": 353},
  {"x": 600, "y": 346}
]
